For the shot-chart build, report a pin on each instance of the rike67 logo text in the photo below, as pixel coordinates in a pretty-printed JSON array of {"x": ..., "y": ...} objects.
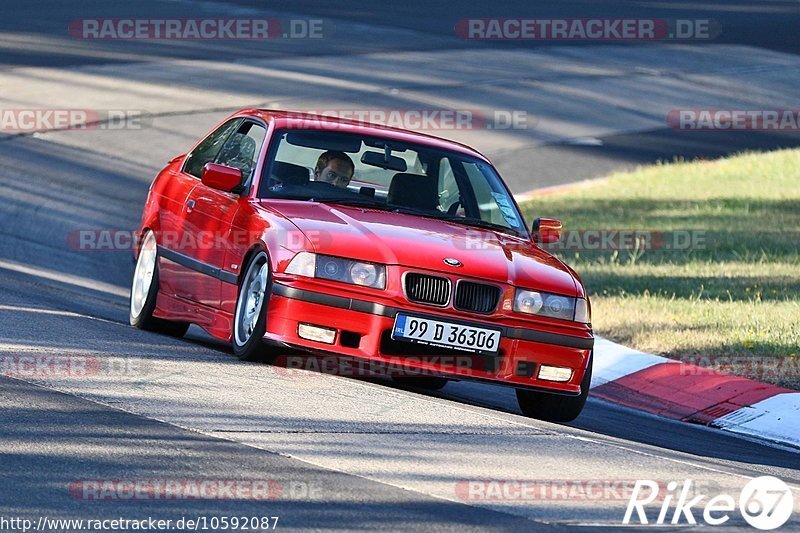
[{"x": 765, "y": 503}]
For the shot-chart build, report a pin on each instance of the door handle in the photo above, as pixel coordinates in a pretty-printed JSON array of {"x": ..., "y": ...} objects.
[{"x": 189, "y": 206}]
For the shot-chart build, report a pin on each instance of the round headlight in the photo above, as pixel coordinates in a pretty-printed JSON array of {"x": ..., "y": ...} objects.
[
  {"x": 557, "y": 305},
  {"x": 529, "y": 302},
  {"x": 331, "y": 268},
  {"x": 363, "y": 274}
]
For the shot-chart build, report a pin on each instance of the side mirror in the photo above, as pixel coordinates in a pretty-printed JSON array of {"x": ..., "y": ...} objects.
[
  {"x": 546, "y": 230},
  {"x": 221, "y": 177}
]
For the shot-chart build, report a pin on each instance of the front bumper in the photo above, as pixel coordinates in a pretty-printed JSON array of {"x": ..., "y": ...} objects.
[{"x": 364, "y": 332}]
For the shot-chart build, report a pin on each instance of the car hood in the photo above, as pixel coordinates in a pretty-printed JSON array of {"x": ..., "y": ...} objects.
[{"x": 419, "y": 242}]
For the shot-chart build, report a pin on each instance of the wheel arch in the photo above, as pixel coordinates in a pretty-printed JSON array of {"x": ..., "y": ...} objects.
[
  {"x": 138, "y": 239},
  {"x": 148, "y": 224},
  {"x": 254, "y": 249}
]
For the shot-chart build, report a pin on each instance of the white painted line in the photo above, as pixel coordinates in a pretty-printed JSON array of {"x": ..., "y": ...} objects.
[
  {"x": 41, "y": 311},
  {"x": 78, "y": 281},
  {"x": 584, "y": 141},
  {"x": 11, "y": 348}
]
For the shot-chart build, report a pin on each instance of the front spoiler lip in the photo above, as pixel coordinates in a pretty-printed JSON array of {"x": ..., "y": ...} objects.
[
  {"x": 364, "y": 306},
  {"x": 448, "y": 375}
]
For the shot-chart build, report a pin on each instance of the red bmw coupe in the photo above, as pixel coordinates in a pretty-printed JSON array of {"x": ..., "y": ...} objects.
[{"x": 281, "y": 229}]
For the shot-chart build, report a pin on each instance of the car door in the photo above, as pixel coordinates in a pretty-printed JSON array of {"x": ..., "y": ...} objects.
[
  {"x": 210, "y": 213},
  {"x": 174, "y": 275}
]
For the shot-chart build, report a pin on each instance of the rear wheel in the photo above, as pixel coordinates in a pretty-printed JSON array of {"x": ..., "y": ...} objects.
[
  {"x": 428, "y": 383},
  {"x": 250, "y": 321},
  {"x": 555, "y": 407},
  {"x": 144, "y": 291}
]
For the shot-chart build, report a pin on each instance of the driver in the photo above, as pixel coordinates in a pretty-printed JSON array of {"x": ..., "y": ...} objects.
[{"x": 335, "y": 168}]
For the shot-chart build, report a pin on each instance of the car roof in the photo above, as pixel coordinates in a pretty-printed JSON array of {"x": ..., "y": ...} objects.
[{"x": 301, "y": 120}]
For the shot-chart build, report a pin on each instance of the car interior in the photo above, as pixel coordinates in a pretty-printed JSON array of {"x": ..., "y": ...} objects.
[{"x": 388, "y": 174}]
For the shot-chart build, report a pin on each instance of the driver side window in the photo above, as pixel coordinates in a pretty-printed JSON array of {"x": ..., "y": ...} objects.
[
  {"x": 242, "y": 148},
  {"x": 208, "y": 148}
]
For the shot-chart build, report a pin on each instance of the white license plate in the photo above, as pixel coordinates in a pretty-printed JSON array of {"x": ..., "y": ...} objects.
[{"x": 447, "y": 334}]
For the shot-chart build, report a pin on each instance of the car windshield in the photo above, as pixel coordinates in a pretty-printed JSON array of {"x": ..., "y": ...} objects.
[{"x": 346, "y": 168}]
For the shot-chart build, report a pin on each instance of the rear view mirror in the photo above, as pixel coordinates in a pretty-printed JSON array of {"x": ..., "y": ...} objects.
[
  {"x": 383, "y": 145},
  {"x": 388, "y": 162},
  {"x": 324, "y": 141},
  {"x": 221, "y": 177},
  {"x": 546, "y": 230}
]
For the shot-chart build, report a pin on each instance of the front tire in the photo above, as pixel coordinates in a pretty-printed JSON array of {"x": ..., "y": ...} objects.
[
  {"x": 144, "y": 291},
  {"x": 555, "y": 407},
  {"x": 250, "y": 320}
]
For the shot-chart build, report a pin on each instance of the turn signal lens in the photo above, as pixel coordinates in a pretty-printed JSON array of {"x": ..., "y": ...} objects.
[
  {"x": 554, "y": 373},
  {"x": 316, "y": 333},
  {"x": 303, "y": 264},
  {"x": 582, "y": 314}
]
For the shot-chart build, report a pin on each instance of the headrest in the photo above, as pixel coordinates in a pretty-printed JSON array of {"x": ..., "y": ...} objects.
[
  {"x": 289, "y": 173},
  {"x": 414, "y": 190}
]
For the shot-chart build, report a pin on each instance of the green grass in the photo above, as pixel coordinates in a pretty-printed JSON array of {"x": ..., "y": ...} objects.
[{"x": 736, "y": 291}]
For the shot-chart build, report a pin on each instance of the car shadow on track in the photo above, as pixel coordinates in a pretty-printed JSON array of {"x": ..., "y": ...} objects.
[{"x": 599, "y": 416}]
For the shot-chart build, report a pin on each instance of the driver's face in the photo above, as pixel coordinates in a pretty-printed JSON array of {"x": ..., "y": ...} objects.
[{"x": 337, "y": 173}]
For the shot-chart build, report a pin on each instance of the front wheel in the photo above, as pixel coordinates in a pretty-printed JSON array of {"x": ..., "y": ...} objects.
[
  {"x": 555, "y": 407},
  {"x": 144, "y": 291},
  {"x": 250, "y": 321}
]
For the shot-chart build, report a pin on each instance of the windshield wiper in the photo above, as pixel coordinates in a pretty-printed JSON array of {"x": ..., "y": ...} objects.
[
  {"x": 412, "y": 211},
  {"x": 481, "y": 224},
  {"x": 459, "y": 220},
  {"x": 356, "y": 202}
]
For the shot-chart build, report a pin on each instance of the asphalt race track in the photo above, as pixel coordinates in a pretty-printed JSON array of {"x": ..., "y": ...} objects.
[{"x": 347, "y": 454}]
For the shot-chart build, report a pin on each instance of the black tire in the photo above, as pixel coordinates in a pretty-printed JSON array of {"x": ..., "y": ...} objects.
[
  {"x": 427, "y": 383},
  {"x": 248, "y": 344},
  {"x": 555, "y": 407},
  {"x": 140, "y": 314}
]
